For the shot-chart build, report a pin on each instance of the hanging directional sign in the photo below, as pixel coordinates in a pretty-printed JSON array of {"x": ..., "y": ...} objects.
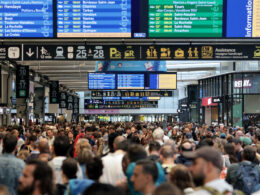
[
  {"x": 54, "y": 92},
  {"x": 22, "y": 82},
  {"x": 75, "y": 105},
  {"x": 70, "y": 101},
  {"x": 83, "y": 51},
  {"x": 63, "y": 100},
  {"x": 10, "y": 52}
]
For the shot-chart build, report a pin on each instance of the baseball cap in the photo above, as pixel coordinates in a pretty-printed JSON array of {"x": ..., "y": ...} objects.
[{"x": 208, "y": 153}]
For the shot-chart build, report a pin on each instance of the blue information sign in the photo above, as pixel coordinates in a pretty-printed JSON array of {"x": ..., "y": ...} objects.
[
  {"x": 130, "y": 81},
  {"x": 94, "y": 18},
  {"x": 26, "y": 18},
  {"x": 101, "y": 81}
]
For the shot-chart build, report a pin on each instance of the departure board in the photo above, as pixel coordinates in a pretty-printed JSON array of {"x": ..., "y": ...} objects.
[
  {"x": 185, "y": 18},
  {"x": 130, "y": 81},
  {"x": 26, "y": 18},
  {"x": 163, "y": 81},
  {"x": 101, "y": 81},
  {"x": 94, "y": 18}
]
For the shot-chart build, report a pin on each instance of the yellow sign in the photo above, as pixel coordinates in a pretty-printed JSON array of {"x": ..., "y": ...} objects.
[
  {"x": 151, "y": 53},
  {"x": 207, "y": 52},
  {"x": 257, "y": 52},
  {"x": 193, "y": 53},
  {"x": 165, "y": 53},
  {"x": 114, "y": 53},
  {"x": 179, "y": 53},
  {"x": 129, "y": 53}
]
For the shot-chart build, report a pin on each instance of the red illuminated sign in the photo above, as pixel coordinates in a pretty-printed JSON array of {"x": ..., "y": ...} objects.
[{"x": 208, "y": 102}]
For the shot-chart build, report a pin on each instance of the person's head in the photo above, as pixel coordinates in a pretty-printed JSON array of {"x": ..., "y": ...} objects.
[
  {"x": 166, "y": 152},
  {"x": 15, "y": 132},
  {"x": 101, "y": 189},
  {"x": 37, "y": 176},
  {"x": 117, "y": 142},
  {"x": 185, "y": 147},
  {"x": 43, "y": 146},
  {"x": 85, "y": 155},
  {"x": 50, "y": 133},
  {"x": 237, "y": 144},
  {"x": 32, "y": 140},
  {"x": 136, "y": 152},
  {"x": 158, "y": 134},
  {"x": 229, "y": 149},
  {"x": 249, "y": 153},
  {"x": 81, "y": 144},
  {"x": 207, "y": 164},
  {"x": 9, "y": 143},
  {"x": 61, "y": 145},
  {"x": 94, "y": 168},
  {"x": 239, "y": 134},
  {"x": 145, "y": 175},
  {"x": 23, "y": 154},
  {"x": 167, "y": 189},
  {"x": 69, "y": 169},
  {"x": 181, "y": 177},
  {"x": 154, "y": 146}
]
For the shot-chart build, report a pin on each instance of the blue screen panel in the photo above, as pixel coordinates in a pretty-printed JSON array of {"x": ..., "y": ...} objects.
[
  {"x": 25, "y": 19},
  {"x": 101, "y": 81},
  {"x": 239, "y": 18},
  {"x": 94, "y": 18},
  {"x": 154, "y": 81},
  {"x": 130, "y": 81}
]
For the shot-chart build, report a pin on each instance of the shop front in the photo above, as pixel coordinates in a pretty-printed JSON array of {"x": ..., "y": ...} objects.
[{"x": 237, "y": 99}]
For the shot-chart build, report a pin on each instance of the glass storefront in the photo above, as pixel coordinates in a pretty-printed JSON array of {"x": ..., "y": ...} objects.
[{"x": 239, "y": 93}]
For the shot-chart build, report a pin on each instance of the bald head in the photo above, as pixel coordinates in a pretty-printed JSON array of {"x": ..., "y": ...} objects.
[
  {"x": 118, "y": 140},
  {"x": 43, "y": 146}
]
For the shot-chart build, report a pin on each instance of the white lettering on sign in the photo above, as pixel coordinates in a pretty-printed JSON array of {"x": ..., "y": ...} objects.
[{"x": 247, "y": 83}]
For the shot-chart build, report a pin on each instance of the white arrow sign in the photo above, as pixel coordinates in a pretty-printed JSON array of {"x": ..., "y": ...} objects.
[{"x": 30, "y": 53}]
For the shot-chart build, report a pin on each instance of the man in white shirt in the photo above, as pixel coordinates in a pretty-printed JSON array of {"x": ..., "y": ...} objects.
[
  {"x": 112, "y": 170},
  {"x": 206, "y": 169}
]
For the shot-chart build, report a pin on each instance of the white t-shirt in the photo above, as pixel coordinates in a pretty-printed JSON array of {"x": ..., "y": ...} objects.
[{"x": 112, "y": 170}]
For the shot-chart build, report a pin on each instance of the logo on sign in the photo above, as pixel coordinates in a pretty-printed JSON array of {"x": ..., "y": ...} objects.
[
  {"x": 179, "y": 54},
  {"x": 239, "y": 83},
  {"x": 207, "y": 52},
  {"x": 44, "y": 53},
  {"x": 151, "y": 53},
  {"x": 114, "y": 53},
  {"x": 13, "y": 52}
]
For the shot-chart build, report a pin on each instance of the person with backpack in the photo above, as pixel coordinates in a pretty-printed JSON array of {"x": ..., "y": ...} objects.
[
  {"x": 245, "y": 176},
  {"x": 206, "y": 168}
]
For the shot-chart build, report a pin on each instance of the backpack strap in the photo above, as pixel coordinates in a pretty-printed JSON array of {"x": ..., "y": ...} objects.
[{"x": 211, "y": 190}]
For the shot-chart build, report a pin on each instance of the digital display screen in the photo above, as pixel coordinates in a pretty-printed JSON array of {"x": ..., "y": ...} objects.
[
  {"x": 248, "y": 24},
  {"x": 95, "y": 18},
  {"x": 163, "y": 81},
  {"x": 101, "y": 81},
  {"x": 130, "y": 81},
  {"x": 186, "y": 18},
  {"x": 27, "y": 18}
]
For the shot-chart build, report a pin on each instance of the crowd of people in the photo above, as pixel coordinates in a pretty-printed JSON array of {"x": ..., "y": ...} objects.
[{"x": 129, "y": 158}]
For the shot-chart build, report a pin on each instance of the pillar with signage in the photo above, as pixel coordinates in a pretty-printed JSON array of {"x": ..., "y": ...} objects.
[
  {"x": 22, "y": 93},
  {"x": 63, "y": 104},
  {"x": 75, "y": 112},
  {"x": 39, "y": 104},
  {"x": 70, "y": 100},
  {"x": 54, "y": 98}
]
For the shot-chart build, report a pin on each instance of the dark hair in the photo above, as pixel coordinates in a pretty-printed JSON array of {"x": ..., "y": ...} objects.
[
  {"x": 181, "y": 177},
  {"x": 61, "y": 145},
  {"x": 69, "y": 168},
  {"x": 237, "y": 141},
  {"x": 167, "y": 189},
  {"x": 154, "y": 146},
  {"x": 111, "y": 138},
  {"x": 101, "y": 189},
  {"x": 230, "y": 150},
  {"x": 249, "y": 153},
  {"x": 44, "y": 174},
  {"x": 94, "y": 168},
  {"x": 149, "y": 167},
  {"x": 136, "y": 152},
  {"x": 9, "y": 143},
  {"x": 32, "y": 138}
]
